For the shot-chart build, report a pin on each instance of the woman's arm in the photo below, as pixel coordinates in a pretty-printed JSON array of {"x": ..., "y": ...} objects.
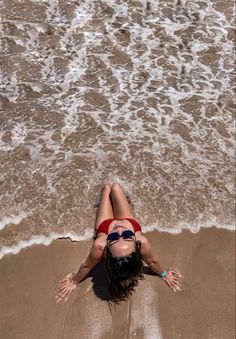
[
  {"x": 68, "y": 284},
  {"x": 149, "y": 258},
  {"x": 171, "y": 277},
  {"x": 95, "y": 255}
]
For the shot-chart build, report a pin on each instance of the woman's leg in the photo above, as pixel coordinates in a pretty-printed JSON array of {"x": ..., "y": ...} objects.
[
  {"x": 105, "y": 208},
  {"x": 121, "y": 207}
]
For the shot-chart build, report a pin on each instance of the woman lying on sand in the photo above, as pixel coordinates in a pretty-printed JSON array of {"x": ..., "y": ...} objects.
[{"x": 119, "y": 240}]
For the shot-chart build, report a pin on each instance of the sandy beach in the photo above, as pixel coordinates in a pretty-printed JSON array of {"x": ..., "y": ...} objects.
[
  {"x": 135, "y": 92},
  {"x": 204, "y": 309}
]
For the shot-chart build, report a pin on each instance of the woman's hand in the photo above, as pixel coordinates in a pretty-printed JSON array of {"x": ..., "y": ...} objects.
[
  {"x": 66, "y": 287},
  {"x": 173, "y": 279}
]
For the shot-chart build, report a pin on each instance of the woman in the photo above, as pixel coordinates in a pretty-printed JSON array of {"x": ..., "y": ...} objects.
[{"x": 119, "y": 240}]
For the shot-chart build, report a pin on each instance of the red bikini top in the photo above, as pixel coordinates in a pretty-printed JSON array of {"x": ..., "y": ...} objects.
[{"x": 104, "y": 226}]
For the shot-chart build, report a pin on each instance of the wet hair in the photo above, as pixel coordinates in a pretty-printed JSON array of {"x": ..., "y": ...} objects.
[{"x": 123, "y": 273}]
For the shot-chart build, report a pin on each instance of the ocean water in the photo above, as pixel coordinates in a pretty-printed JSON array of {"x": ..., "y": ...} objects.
[{"x": 135, "y": 92}]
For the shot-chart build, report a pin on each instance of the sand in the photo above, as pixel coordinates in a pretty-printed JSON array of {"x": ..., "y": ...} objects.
[{"x": 204, "y": 309}]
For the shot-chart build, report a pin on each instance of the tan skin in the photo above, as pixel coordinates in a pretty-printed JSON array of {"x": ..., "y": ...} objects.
[{"x": 119, "y": 209}]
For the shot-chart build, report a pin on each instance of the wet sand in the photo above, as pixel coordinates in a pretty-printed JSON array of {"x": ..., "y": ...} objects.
[{"x": 204, "y": 309}]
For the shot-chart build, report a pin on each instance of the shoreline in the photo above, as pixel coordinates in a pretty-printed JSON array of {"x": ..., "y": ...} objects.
[
  {"x": 88, "y": 235},
  {"x": 30, "y": 278}
]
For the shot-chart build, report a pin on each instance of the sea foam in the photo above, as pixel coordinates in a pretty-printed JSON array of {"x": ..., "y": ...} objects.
[{"x": 89, "y": 233}]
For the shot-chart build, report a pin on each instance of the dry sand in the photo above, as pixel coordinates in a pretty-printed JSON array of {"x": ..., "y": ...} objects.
[{"x": 204, "y": 309}]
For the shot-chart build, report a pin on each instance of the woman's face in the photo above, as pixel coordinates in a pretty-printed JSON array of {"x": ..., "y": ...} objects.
[{"x": 121, "y": 247}]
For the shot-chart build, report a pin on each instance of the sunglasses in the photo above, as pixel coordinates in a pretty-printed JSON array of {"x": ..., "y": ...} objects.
[{"x": 128, "y": 234}]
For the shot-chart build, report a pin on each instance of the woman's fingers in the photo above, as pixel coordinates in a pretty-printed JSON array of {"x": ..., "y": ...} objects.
[
  {"x": 61, "y": 288},
  {"x": 66, "y": 282},
  {"x": 177, "y": 285},
  {"x": 176, "y": 279},
  {"x": 63, "y": 280},
  {"x": 171, "y": 285},
  {"x": 167, "y": 281},
  {"x": 58, "y": 297},
  {"x": 59, "y": 292},
  {"x": 174, "y": 273},
  {"x": 64, "y": 290},
  {"x": 173, "y": 279},
  {"x": 63, "y": 295},
  {"x": 67, "y": 297},
  {"x": 66, "y": 285},
  {"x": 68, "y": 277},
  {"x": 174, "y": 284}
]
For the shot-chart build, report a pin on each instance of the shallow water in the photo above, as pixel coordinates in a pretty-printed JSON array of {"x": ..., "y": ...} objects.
[{"x": 137, "y": 92}]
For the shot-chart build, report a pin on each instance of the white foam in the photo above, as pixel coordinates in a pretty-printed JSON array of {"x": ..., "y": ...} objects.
[
  {"x": 45, "y": 240},
  {"x": 83, "y": 14},
  {"x": 19, "y": 132},
  {"x": 13, "y": 219},
  {"x": 194, "y": 228},
  {"x": 36, "y": 87},
  {"x": 9, "y": 86},
  {"x": 89, "y": 233}
]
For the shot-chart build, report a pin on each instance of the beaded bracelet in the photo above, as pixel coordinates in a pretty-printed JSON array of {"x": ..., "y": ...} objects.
[{"x": 163, "y": 273}]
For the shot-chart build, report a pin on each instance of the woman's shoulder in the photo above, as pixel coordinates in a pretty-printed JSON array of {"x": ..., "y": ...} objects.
[
  {"x": 145, "y": 245},
  {"x": 140, "y": 237},
  {"x": 100, "y": 241}
]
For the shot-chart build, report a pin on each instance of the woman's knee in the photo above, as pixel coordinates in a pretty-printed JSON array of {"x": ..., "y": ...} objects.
[{"x": 116, "y": 187}]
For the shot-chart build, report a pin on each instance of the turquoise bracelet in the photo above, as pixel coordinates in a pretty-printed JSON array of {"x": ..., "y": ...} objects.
[{"x": 163, "y": 274}]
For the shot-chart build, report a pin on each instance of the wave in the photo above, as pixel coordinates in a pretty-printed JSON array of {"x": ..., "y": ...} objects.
[
  {"x": 88, "y": 234},
  {"x": 13, "y": 219},
  {"x": 194, "y": 228},
  {"x": 44, "y": 240}
]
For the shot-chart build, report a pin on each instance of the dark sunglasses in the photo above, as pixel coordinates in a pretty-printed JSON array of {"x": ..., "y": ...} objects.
[{"x": 128, "y": 234}]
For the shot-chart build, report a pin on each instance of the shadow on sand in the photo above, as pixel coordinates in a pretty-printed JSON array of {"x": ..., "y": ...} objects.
[{"x": 100, "y": 281}]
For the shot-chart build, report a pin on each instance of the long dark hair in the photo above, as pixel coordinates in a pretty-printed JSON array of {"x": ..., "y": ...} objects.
[{"x": 123, "y": 273}]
